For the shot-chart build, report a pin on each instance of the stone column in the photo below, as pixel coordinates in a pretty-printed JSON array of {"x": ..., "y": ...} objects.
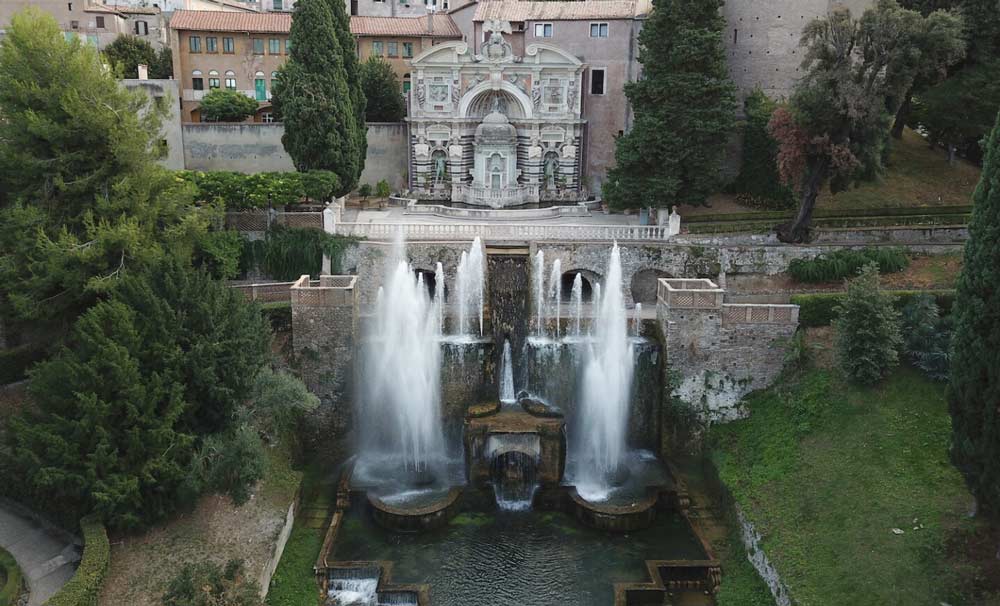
[{"x": 325, "y": 338}]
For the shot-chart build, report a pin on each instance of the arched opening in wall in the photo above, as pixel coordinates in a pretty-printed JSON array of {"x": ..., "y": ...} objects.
[
  {"x": 484, "y": 103},
  {"x": 430, "y": 282},
  {"x": 587, "y": 281},
  {"x": 644, "y": 284}
]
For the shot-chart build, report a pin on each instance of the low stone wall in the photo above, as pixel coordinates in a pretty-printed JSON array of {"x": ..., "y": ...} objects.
[
  {"x": 264, "y": 580},
  {"x": 720, "y": 352}
]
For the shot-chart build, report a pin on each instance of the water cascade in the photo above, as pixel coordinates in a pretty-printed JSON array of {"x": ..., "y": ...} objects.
[
  {"x": 577, "y": 296},
  {"x": 638, "y": 320},
  {"x": 507, "y": 376},
  {"x": 400, "y": 414},
  {"x": 439, "y": 295},
  {"x": 599, "y": 449},
  {"x": 470, "y": 288},
  {"x": 514, "y": 480},
  {"x": 555, "y": 291},
  {"x": 540, "y": 293}
]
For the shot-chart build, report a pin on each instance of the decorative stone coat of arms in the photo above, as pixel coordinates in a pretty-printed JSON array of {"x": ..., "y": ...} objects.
[{"x": 496, "y": 49}]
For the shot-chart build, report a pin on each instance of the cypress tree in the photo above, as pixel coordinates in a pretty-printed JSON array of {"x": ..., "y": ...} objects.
[
  {"x": 974, "y": 391},
  {"x": 684, "y": 110},
  {"x": 318, "y": 94}
]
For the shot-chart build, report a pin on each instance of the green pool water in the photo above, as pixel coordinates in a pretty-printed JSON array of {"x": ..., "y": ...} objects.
[{"x": 517, "y": 558}]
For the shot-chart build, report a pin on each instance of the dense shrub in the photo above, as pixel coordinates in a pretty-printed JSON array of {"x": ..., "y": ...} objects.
[
  {"x": 15, "y": 362},
  {"x": 85, "y": 586},
  {"x": 818, "y": 309},
  {"x": 758, "y": 185},
  {"x": 289, "y": 252},
  {"x": 238, "y": 191},
  {"x": 121, "y": 411},
  {"x": 208, "y": 584},
  {"x": 226, "y": 106},
  {"x": 218, "y": 252},
  {"x": 844, "y": 263},
  {"x": 10, "y": 573},
  {"x": 927, "y": 337},
  {"x": 867, "y": 329}
]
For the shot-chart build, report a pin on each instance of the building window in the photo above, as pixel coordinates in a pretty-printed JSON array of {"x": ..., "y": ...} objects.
[
  {"x": 274, "y": 46},
  {"x": 194, "y": 44},
  {"x": 274, "y": 76},
  {"x": 288, "y": 45},
  {"x": 377, "y": 48},
  {"x": 278, "y": 5},
  {"x": 74, "y": 24},
  {"x": 260, "y": 87},
  {"x": 213, "y": 83},
  {"x": 392, "y": 49},
  {"x": 543, "y": 30},
  {"x": 227, "y": 46},
  {"x": 267, "y": 117},
  {"x": 198, "y": 83},
  {"x": 100, "y": 22},
  {"x": 407, "y": 85},
  {"x": 597, "y": 81},
  {"x": 141, "y": 28},
  {"x": 212, "y": 44},
  {"x": 69, "y": 5},
  {"x": 258, "y": 46},
  {"x": 598, "y": 30},
  {"x": 231, "y": 80},
  {"x": 407, "y": 50}
]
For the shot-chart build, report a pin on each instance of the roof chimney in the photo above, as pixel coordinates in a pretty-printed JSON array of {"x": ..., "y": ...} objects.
[
  {"x": 430, "y": 20},
  {"x": 143, "y": 72}
]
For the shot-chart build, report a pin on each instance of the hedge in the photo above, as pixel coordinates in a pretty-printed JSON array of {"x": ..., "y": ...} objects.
[
  {"x": 11, "y": 587},
  {"x": 85, "y": 586},
  {"x": 15, "y": 362},
  {"x": 834, "y": 213},
  {"x": 818, "y": 309},
  {"x": 846, "y": 263}
]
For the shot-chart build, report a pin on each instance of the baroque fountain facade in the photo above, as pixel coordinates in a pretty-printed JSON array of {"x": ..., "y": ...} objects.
[
  {"x": 492, "y": 129},
  {"x": 503, "y": 411}
]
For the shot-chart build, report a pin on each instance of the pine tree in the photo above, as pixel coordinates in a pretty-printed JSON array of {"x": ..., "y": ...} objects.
[
  {"x": 974, "y": 391},
  {"x": 684, "y": 110},
  {"x": 868, "y": 336},
  {"x": 318, "y": 94},
  {"x": 385, "y": 102}
]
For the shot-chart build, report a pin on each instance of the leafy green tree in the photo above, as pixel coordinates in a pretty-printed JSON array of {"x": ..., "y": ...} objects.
[
  {"x": 226, "y": 106},
  {"x": 279, "y": 402},
  {"x": 835, "y": 129},
  {"x": 927, "y": 337},
  {"x": 974, "y": 390},
  {"x": 759, "y": 185},
  {"x": 219, "y": 252},
  {"x": 122, "y": 411},
  {"x": 231, "y": 462},
  {"x": 319, "y": 95},
  {"x": 958, "y": 112},
  {"x": 867, "y": 327},
  {"x": 82, "y": 199},
  {"x": 320, "y": 185},
  {"x": 126, "y": 53},
  {"x": 208, "y": 584},
  {"x": 385, "y": 101},
  {"x": 684, "y": 109}
]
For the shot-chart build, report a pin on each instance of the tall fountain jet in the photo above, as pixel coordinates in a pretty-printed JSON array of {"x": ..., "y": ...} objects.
[
  {"x": 401, "y": 419},
  {"x": 607, "y": 384},
  {"x": 540, "y": 293},
  {"x": 577, "y": 303},
  {"x": 470, "y": 289},
  {"x": 555, "y": 291}
]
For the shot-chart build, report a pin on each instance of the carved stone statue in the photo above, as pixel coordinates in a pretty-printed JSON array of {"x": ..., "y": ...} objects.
[
  {"x": 536, "y": 94},
  {"x": 439, "y": 167},
  {"x": 551, "y": 166}
]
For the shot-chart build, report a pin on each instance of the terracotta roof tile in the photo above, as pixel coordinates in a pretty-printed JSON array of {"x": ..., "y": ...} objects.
[
  {"x": 555, "y": 10},
  {"x": 224, "y": 21},
  {"x": 281, "y": 23},
  {"x": 415, "y": 27}
]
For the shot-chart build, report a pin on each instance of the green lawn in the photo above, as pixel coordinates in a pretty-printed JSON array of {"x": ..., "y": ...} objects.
[
  {"x": 826, "y": 470},
  {"x": 916, "y": 176},
  {"x": 10, "y": 579}
]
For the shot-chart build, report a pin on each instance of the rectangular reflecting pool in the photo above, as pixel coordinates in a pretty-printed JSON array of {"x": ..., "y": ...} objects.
[{"x": 538, "y": 558}]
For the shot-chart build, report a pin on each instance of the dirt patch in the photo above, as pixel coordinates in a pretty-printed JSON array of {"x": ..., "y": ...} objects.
[
  {"x": 972, "y": 553},
  {"x": 820, "y": 347},
  {"x": 926, "y": 273},
  {"x": 215, "y": 530}
]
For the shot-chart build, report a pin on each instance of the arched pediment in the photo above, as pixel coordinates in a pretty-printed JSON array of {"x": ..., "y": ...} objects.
[
  {"x": 448, "y": 53},
  {"x": 548, "y": 54},
  {"x": 472, "y": 100}
]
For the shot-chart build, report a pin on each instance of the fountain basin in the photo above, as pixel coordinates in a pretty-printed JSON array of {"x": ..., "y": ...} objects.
[
  {"x": 426, "y": 513},
  {"x": 616, "y": 516}
]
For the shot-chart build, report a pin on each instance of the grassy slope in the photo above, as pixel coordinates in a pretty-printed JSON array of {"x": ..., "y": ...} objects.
[
  {"x": 916, "y": 176},
  {"x": 826, "y": 470}
]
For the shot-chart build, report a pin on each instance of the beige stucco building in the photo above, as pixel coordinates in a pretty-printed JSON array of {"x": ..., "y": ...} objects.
[{"x": 93, "y": 23}]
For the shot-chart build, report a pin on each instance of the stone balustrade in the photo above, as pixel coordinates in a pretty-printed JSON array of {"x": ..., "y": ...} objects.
[
  {"x": 733, "y": 313},
  {"x": 505, "y": 232}
]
